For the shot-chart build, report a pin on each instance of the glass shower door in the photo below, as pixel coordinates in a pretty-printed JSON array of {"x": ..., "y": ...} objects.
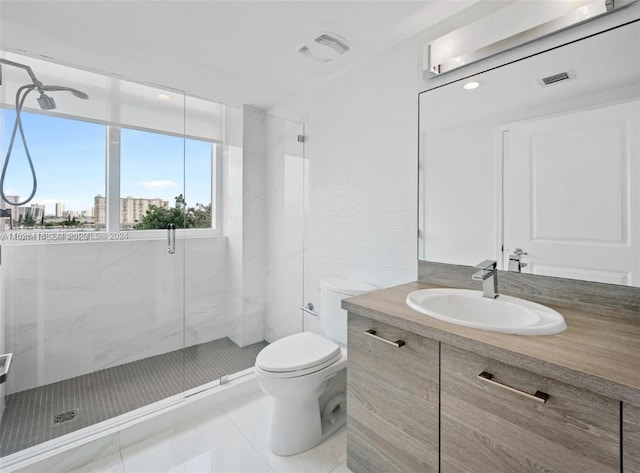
[{"x": 92, "y": 301}]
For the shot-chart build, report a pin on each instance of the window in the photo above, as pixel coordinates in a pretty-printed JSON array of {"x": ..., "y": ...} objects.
[
  {"x": 68, "y": 157},
  {"x": 161, "y": 178}
]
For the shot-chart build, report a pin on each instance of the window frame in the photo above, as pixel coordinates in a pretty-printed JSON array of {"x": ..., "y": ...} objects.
[{"x": 112, "y": 184}]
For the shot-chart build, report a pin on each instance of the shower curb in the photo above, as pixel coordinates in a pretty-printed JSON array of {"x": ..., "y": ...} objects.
[{"x": 77, "y": 449}]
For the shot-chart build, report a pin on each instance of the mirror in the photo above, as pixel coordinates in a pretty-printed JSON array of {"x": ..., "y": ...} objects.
[{"x": 543, "y": 155}]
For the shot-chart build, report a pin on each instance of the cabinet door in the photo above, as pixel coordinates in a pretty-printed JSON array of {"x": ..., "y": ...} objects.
[
  {"x": 631, "y": 438},
  {"x": 494, "y": 426},
  {"x": 392, "y": 400}
]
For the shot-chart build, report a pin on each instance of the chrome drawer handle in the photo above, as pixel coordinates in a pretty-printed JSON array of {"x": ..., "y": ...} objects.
[
  {"x": 372, "y": 333},
  {"x": 539, "y": 396}
]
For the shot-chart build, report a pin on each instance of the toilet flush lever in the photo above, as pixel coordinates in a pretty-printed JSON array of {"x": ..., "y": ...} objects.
[{"x": 309, "y": 309}]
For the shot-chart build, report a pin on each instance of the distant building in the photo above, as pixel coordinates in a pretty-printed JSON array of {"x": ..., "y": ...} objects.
[
  {"x": 59, "y": 209},
  {"x": 11, "y": 208},
  {"x": 100, "y": 210},
  {"x": 132, "y": 209},
  {"x": 33, "y": 212}
]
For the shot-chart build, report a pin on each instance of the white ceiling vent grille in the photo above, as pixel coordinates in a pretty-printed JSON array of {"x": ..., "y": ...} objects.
[
  {"x": 556, "y": 78},
  {"x": 324, "y": 47},
  {"x": 339, "y": 45}
]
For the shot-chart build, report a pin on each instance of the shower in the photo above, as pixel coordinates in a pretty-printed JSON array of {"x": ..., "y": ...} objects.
[
  {"x": 103, "y": 322},
  {"x": 45, "y": 102}
]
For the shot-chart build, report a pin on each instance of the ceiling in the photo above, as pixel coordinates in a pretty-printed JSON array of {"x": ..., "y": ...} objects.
[{"x": 237, "y": 52}]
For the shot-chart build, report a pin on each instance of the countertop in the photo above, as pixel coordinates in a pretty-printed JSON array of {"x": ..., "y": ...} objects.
[{"x": 595, "y": 352}]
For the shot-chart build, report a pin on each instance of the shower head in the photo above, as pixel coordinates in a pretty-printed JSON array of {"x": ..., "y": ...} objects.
[
  {"x": 57, "y": 88},
  {"x": 46, "y": 102}
]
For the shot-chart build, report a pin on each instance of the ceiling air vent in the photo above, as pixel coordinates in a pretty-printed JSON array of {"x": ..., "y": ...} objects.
[
  {"x": 333, "y": 41},
  {"x": 555, "y": 78},
  {"x": 324, "y": 47}
]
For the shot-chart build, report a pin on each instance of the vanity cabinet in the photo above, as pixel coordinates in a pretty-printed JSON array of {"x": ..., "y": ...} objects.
[
  {"x": 631, "y": 437},
  {"x": 492, "y": 422},
  {"x": 392, "y": 399}
]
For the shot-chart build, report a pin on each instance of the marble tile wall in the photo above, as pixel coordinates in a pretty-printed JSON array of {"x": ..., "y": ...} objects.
[
  {"x": 233, "y": 202},
  {"x": 254, "y": 221},
  {"x": 285, "y": 168},
  {"x": 264, "y": 215},
  {"x": 2, "y": 335},
  {"x": 73, "y": 308}
]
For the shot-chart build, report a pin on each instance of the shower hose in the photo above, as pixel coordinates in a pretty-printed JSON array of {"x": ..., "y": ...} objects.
[{"x": 21, "y": 95}]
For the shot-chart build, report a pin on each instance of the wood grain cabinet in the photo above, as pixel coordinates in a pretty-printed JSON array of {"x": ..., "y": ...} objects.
[
  {"x": 631, "y": 438},
  {"x": 500, "y": 419},
  {"x": 392, "y": 399}
]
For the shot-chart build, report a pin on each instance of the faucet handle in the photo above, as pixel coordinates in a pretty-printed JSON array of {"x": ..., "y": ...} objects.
[
  {"x": 487, "y": 265},
  {"x": 518, "y": 253}
]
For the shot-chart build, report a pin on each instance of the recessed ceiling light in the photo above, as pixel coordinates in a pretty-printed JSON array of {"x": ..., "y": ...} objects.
[
  {"x": 163, "y": 96},
  {"x": 471, "y": 85}
]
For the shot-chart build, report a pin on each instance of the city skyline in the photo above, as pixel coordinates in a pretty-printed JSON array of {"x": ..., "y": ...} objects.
[{"x": 69, "y": 158}]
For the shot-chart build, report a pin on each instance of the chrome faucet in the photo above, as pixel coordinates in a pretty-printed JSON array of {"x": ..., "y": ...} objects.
[
  {"x": 488, "y": 274},
  {"x": 515, "y": 260}
]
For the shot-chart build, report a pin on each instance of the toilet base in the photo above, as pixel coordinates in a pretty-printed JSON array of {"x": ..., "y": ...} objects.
[
  {"x": 298, "y": 424},
  {"x": 297, "y": 428}
]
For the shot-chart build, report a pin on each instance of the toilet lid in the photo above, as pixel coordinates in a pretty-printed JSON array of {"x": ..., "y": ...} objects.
[{"x": 297, "y": 352}]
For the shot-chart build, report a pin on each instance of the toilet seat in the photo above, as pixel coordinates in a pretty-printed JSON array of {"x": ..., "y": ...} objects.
[{"x": 297, "y": 355}]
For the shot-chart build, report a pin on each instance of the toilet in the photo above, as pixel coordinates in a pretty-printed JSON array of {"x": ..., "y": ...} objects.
[{"x": 305, "y": 375}]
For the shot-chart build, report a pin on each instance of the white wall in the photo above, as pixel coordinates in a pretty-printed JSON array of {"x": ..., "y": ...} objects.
[{"x": 361, "y": 145}]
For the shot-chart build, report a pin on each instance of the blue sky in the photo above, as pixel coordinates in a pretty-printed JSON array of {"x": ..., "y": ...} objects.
[{"x": 69, "y": 157}]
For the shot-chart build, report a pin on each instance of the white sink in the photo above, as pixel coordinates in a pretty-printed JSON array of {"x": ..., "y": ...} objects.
[{"x": 505, "y": 314}]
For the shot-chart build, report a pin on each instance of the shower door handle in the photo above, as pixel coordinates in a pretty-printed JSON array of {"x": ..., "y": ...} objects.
[{"x": 171, "y": 238}]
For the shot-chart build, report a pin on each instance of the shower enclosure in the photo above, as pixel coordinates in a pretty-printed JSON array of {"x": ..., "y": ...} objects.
[{"x": 162, "y": 248}]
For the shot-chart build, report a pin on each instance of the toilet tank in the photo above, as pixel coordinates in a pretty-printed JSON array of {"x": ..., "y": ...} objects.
[{"x": 333, "y": 319}]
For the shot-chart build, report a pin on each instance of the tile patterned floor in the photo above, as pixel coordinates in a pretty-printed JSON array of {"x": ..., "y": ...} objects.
[
  {"x": 233, "y": 439},
  {"x": 28, "y": 415}
]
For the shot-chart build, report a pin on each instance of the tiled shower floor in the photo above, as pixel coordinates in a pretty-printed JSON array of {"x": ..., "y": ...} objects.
[{"x": 28, "y": 416}]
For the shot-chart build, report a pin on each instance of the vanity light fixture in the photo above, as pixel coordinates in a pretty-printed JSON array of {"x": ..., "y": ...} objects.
[
  {"x": 453, "y": 50},
  {"x": 471, "y": 85}
]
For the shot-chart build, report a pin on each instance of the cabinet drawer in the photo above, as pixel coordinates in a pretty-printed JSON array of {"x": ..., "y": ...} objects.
[
  {"x": 392, "y": 399},
  {"x": 497, "y": 426},
  {"x": 631, "y": 438}
]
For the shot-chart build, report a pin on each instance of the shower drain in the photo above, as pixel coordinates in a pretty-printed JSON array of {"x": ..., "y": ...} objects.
[{"x": 65, "y": 416}]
